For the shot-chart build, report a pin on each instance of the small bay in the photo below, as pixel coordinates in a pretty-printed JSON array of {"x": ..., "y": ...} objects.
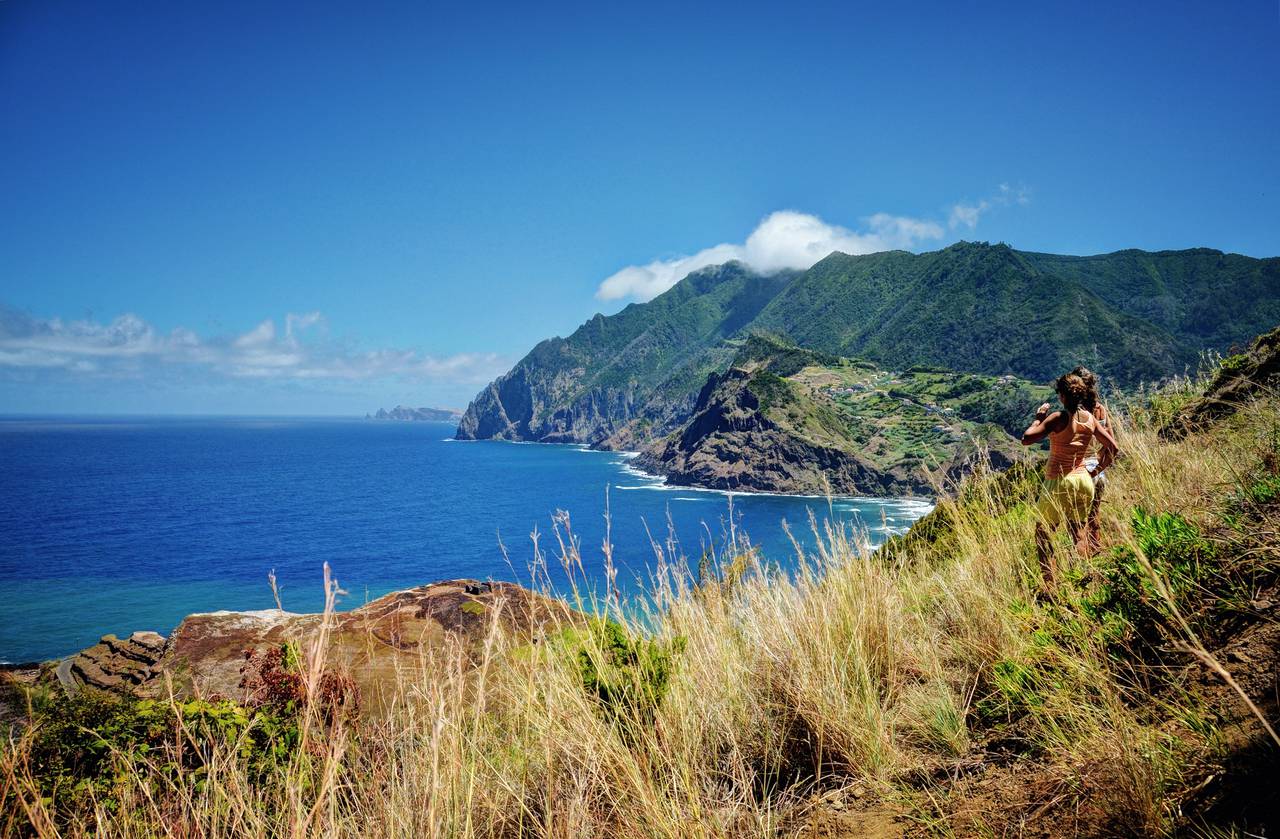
[{"x": 119, "y": 524}]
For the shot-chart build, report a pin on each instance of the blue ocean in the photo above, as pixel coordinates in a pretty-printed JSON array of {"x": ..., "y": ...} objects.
[{"x": 120, "y": 524}]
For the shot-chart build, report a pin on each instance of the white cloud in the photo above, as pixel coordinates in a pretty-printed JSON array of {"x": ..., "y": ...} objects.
[
  {"x": 261, "y": 335},
  {"x": 784, "y": 239},
  {"x": 791, "y": 239},
  {"x": 299, "y": 323},
  {"x": 128, "y": 347},
  {"x": 967, "y": 215}
]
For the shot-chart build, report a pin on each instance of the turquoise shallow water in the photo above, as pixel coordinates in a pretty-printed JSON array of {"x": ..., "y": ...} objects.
[{"x": 112, "y": 525}]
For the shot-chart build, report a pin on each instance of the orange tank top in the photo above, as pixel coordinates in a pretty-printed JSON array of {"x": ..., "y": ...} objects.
[{"x": 1068, "y": 447}]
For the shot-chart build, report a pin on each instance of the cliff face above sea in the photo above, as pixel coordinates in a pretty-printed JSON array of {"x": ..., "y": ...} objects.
[
  {"x": 527, "y": 404},
  {"x": 834, "y": 426},
  {"x": 643, "y": 365},
  {"x": 730, "y": 443}
]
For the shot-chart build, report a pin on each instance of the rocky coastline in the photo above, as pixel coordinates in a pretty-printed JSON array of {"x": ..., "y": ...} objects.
[{"x": 205, "y": 654}]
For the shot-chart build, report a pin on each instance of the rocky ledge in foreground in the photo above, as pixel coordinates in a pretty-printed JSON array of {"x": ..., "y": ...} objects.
[
  {"x": 206, "y": 652},
  {"x": 1240, "y": 378}
]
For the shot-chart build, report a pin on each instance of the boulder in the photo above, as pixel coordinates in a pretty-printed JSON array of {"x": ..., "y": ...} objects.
[{"x": 115, "y": 664}]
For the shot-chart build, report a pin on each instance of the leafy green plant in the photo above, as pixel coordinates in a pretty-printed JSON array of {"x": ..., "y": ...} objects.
[
  {"x": 627, "y": 675},
  {"x": 1263, "y": 491},
  {"x": 1128, "y": 602},
  {"x": 80, "y": 747},
  {"x": 1015, "y": 689},
  {"x": 1232, "y": 366},
  {"x": 770, "y": 389}
]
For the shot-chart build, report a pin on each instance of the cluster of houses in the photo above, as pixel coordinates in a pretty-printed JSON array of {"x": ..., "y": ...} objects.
[{"x": 883, "y": 380}]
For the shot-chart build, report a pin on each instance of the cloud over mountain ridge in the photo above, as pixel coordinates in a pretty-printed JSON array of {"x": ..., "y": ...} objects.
[{"x": 792, "y": 239}]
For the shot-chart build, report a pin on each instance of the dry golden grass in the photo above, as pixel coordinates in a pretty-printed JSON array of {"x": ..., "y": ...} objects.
[{"x": 876, "y": 669}]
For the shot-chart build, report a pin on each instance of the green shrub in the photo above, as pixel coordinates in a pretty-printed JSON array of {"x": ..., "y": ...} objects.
[
  {"x": 1263, "y": 491},
  {"x": 1016, "y": 689},
  {"x": 628, "y": 676},
  {"x": 82, "y": 747},
  {"x": 1232, "y": 365},
  {"x": 1018, "y": 685},
  {"x": 1128, "y": 602},
  {"x": 770, "y": 389}
]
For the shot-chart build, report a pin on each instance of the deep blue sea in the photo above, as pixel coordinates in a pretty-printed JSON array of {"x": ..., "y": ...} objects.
[{"x": 119, "y": 524}]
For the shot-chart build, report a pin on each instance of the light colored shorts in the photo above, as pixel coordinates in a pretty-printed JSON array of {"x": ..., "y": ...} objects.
[
  {"x": 1066, "y": 499},
  {"x": 1099, "y": 478}
]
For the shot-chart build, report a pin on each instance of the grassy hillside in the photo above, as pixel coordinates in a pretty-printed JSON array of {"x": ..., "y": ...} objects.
[
  {"x": 924, "y": 689},
  {"x": 920, "y": 414}
]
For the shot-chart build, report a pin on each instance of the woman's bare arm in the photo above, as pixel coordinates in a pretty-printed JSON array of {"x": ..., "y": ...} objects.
[
  {"x": 1043, "y": 424},
  {"x": 1110, "y": 450}
]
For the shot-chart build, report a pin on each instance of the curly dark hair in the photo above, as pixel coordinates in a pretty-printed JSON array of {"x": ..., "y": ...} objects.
[
  {"x": 1090, "y": 400},
  {"x": 1073, "y": 391}
]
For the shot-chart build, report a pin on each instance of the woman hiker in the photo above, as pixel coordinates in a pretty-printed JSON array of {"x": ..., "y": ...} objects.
[
  {"x": 1091, "y": 404},
  {"x": 1067, "y": 494}
]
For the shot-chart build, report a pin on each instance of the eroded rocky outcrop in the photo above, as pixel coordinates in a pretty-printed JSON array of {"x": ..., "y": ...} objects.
[
  {"x": 206, "y": 652},
  {"x": 1241, "y": 377},
  {"x": 404, "y": 413},
  {"x": 735, "y": 441},
  {"x": 115, "y": 664}
]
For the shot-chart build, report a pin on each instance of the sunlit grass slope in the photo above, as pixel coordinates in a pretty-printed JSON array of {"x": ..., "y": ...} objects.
[{"x": 922, "y": 688}]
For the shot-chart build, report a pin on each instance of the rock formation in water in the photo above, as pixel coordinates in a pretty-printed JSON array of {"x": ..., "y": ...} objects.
[{"x": 400, "y": 412}]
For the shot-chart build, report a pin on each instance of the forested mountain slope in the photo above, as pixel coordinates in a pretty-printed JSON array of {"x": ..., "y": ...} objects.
[
  {"x": 585, "y": 387},
  {"x": 1131, "y": 315}
]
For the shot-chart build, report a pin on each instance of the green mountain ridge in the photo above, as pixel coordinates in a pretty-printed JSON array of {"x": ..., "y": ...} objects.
[
  {"x": 994, "y": 310},
  {"x": 649, "y": 360},
  {"x": 624, "y": 380}
]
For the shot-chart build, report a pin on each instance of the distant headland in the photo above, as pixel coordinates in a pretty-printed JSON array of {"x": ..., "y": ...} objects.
[{"x": 400, "y": 412}]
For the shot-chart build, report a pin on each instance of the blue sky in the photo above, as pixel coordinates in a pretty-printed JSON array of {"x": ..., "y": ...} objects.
[{"x": 324, "y": 208}]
